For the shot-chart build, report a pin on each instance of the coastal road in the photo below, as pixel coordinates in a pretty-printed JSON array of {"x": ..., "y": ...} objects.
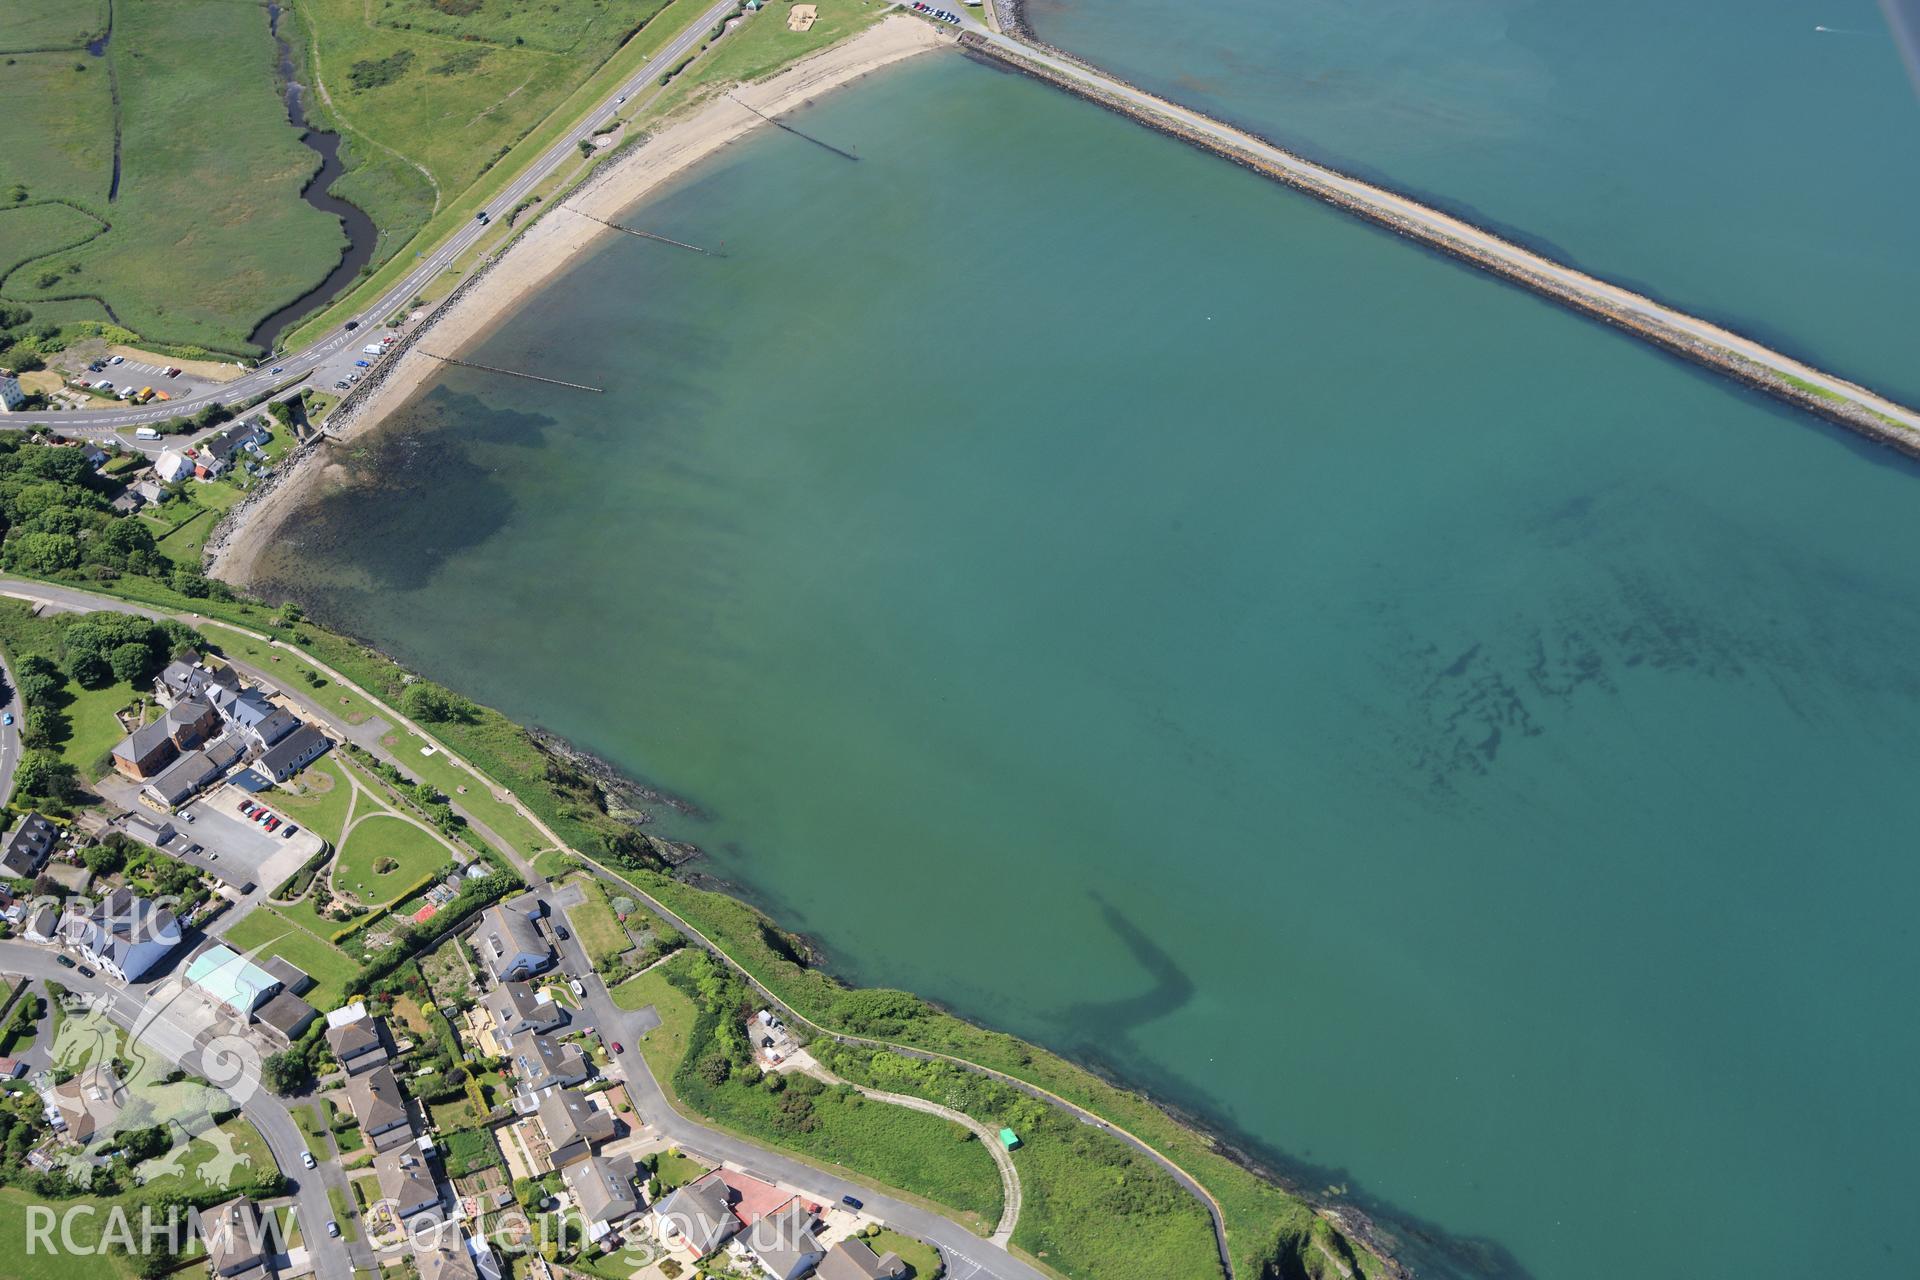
[
  {"x": 177, "y": 1042},
  {"x": 335, "y": 349}
]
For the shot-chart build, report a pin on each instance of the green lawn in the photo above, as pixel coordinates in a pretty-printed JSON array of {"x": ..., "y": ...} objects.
[
  {"x": 330, "y": 968},
  {"x": 209, "y": 232},
  {"x": 763, "y": 44},
  {"x": 51, "y": 24},
  {"x": 923, "y": 1262},
  {"x": 479, "y": 799},
  {"x": 676, "y": 1170},
  {"x": 58, "y": 1264},
  {"x": 378, "y": 841},
  {"x": 184, "y": 542},
  {"x": 320, "y": 801},
  {"x": 285, "y": 665},
  {"x": 599, "y": 930},
  {"x": 94, "y": 728}
]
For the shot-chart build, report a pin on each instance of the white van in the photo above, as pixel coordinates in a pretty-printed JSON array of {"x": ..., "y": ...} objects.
[{"x": 145, "y": 433}]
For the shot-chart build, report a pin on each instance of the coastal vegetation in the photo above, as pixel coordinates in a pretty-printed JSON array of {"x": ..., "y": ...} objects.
[{"x": 715, "y": 1075}]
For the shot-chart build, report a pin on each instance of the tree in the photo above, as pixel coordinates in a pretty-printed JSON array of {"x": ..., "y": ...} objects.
[
  {"x": 42, "y": 554},
  {"x": 286, "y": 1072},
  {"x": 425, "y": 700},
  {"x": 131, "y": 662},
  {"x": 43, "y": 774},
  {"x": 105, "y": 858}
]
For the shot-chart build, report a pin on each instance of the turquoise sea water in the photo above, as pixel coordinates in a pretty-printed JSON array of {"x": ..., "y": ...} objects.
[
  {"x": 1464, "y": 752},
  {"x": 1729, "y": 156}
]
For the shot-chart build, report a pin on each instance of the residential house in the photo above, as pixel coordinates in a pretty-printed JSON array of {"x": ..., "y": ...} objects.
[
  {"x": 603, "y": 1187},
  {"x": 189, "y": 676},
  {"x": 359, "y": 1045},
  {"x": 145, "y": 751},
  {"x": 751, "y": 1198},
  {"x": 698, "y": 1217},
  {"x": 28, "y": 847},
  {"x": 173, "y": 466},
  {"x": 407, "y": 1181},
  {"x": 772, "y": 1043},
  {"x": 293, "y": 753},
  {"x": 449, "y": 1255},
  {"x": 149, "y": 830},
  {"x": 43, "y": 926},
  {"x": 180, "y": 781},
  {"x": 573, "y": 1125},
  {"x": 214, "y": 455},
  {"x": 853, "y": 1260},
  {"x": 542, "y": 1062},
  {"x": 374, "y": 1098},
  {"x": 784, "y": 1243},
  {"x": 12, "y": 398},
  {"x": 149, "y": 491},
  {"x": 124, "y": 934},
  {"x": 239, "y": 1243},
  {"x": 89, "y": 1104},
  {"x": 510, "y": 944},
  {"x": 519, "y": 1006}
]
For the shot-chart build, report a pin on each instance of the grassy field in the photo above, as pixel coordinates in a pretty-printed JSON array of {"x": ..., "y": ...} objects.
[
  {"x": 285, "y": 666},
  {"x": 923, "y": 1262},
  {"x": 329, "y": 967},
  {"x": 478, "y": 798},
  {"x": 50, "y": 24},
  {"x": 29, "y": 231},
  {"x": 921, "y": 1154},
  {"x": 56, "y": 129},
  {"x": 599, "y": 930},
  {"x": 94, "y": 728},
  {"x": 321, "y": 803},
  {"x": 372, "y": 844},
  {"x": 763, "y": 44},
  {"x": 188, "y": 537},
  {"x": 208, "y": 230}
]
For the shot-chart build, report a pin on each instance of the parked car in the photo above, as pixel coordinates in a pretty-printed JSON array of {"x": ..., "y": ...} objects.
[
  {"x": 339, "y": 386},
  {"x": 67, "y": 961},
  {"x": 363, "y": 364},
  {"x": 273, "y": 824},
  {"x": 578, "y": 990},
  {"x": 306, "y": 1158},
  {"x": 187, "y": 814},
  {"x": 333, "y": 1229},
  {"x": 853, "y": 1202},
  {"x": 7, "y": 718},
  {"x": 247, "y": 807},
  {"x": 291, "y": 829},
  {"x": 618, "y": 1047},
  {"x": 117, "y": 360},
  {"x": 562, "y": 931},
  {"x": 87, "y": 973}
]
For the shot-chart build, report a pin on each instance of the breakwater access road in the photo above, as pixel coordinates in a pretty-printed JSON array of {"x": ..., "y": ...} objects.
[{"x": 1780, "y": 375}]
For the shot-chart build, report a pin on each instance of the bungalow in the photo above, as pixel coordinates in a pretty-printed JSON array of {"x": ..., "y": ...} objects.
[
  {"x": 853, "y": 1260},
  {"x": 697, "y": 1217},
  {"x": 543, "y": 1063},
  {"x": 149, "y": 491},
  {"x": 573, "y": 1125},
  {"x": 29, "y": 845},
  {"x": 145, "y": 751},
  {"x": 89, "y": 1104},
  {"x": 518, "y": 1007},
  {"x": 784, "y": 1243},
  {"x": 180, "y": 781},
  {"x": 450, "y": 1256},
  {"x": 359, "y": 1044},
  {"x": 374, "y": 1098},
  {"x": 239, "y": 1245},
  {"x": 407, "y": 1182},
  {"x": 124, "y": 934},
  {"x": 510, "y": 944},
  {"x": 603, "y": 1188},
  {"x": 43, "y": 926},
  {"x": 295, "y": 752}
]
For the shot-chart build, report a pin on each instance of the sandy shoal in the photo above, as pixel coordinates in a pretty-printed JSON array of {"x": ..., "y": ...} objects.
[{"x": 554, "y": 241}]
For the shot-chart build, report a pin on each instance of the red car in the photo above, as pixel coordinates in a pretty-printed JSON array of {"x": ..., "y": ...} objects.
[
  {"x": 618, "y": 1047},
  {"x": 272, "y": 823}
]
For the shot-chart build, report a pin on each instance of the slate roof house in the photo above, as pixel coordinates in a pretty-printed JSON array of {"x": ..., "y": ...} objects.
[
  {"x": 697, "y": 1217},
  {"x": 517, "y": 1007},
  {"x": 360, "y": 1045},
  {"x": 854, "y": 1260},
  {"x": 293, "y": 753},
  {"x": 573, "y": 1125},
  {"x": 28, "y": 847},
  {"x": 239, "y": 1246},
  {"x": 510, "y": 944},
  {"x": 374, "y": 1098},
  {"x": 89, "y": 1103},
  {"x": 124, "y": 934},
  {"x": 407, "y": 1181},
  {"x": 542, "y": 1062},
  {"x": 190, "y": 722},
  {"x": 603, "y": 1188},
  {"x": 180, "y": 781},
  {"x": 784, "y": 1243}
]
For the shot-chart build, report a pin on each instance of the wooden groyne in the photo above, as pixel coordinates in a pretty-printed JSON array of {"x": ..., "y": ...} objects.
[
  {"x": 828, "y": 146},
  {"x": 635, "y": 231},
  {"x": 1854, "y": 415},
  {"x": 512, "y": 373}
]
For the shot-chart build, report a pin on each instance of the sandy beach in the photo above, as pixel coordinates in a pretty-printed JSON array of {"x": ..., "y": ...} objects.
[{"x": 548, "y": 246}]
